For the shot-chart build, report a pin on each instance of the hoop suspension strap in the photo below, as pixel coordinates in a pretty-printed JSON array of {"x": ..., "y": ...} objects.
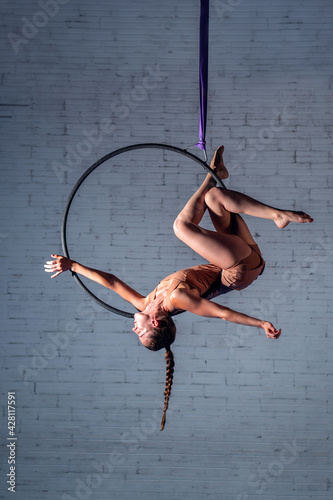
[{"x": 203, "y": 71}]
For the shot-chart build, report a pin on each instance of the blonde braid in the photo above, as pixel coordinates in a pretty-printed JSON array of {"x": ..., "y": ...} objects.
[{"x": 168, "y": 383}]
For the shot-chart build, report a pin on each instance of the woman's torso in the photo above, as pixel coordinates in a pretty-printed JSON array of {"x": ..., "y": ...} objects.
[
  {"x": 208, "y": 280},
  {"x": 198, "y": 279}
]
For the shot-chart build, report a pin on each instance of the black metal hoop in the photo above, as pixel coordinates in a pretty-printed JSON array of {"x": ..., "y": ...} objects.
[{"x": 118, "y": 152}]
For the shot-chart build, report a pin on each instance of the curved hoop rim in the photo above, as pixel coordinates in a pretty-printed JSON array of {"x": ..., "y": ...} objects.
[{"x": 99, "y": 162}]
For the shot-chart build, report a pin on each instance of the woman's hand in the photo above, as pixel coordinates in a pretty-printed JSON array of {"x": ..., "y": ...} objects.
[
  {"x": 58, "y": 266},
  {"x": 271, "y": 332}
]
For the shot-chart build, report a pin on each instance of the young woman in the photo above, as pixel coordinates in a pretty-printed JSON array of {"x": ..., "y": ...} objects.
[{"x": 234, "y": 260}]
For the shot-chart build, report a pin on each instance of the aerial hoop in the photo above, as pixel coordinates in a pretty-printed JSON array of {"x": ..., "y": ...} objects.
[{"x": 118, "y": 152}]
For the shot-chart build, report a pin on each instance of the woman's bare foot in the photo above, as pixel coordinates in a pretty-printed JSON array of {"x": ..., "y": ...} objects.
[
  {"x": 217, "y": 164},
  {"x": 285, "y": 216}
]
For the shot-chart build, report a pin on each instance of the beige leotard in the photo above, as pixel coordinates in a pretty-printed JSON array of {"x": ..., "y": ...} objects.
[{"x": 201, "y": 278}]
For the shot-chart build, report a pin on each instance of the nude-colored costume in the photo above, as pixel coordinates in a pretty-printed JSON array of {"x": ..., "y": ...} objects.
[{"x": 209, "y": 280}]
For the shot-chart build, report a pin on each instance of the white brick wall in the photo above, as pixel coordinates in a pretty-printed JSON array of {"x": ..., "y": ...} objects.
[{"x": 248, "y": 418}]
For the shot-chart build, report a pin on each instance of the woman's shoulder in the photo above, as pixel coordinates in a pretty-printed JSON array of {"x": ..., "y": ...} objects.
[
  {"x": 148, "y": 300},
  {"x": 255, "y": 247},
  {"x": 183, "y": 287},
  {"x": 181, "y": 295}
]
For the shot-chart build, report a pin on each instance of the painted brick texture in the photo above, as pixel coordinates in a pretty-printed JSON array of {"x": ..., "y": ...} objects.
[{"x": 248, "y": 418}]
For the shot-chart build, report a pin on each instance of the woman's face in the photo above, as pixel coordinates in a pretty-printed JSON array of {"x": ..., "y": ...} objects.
[{"x": 143, "y": 325}]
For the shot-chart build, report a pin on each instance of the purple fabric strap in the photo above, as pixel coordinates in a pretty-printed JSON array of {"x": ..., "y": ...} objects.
[{"x": 203, "y": 71}]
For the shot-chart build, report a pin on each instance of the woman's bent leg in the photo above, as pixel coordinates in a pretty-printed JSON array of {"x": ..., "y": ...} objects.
[
  {"x": 235, "y": 202},
  {"x": 222, "y": 249},
  {"x": 195, "y": 207}
]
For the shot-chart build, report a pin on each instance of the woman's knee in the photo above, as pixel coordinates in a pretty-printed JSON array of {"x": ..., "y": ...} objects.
[
  {"x": 180, "y": 227},
  {"x": 214, "y": 198}
]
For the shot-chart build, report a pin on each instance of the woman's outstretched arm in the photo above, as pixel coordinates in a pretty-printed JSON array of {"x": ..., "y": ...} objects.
[
  {"x": 188, "y": 301},
  {"x": 61, "y": 264}
]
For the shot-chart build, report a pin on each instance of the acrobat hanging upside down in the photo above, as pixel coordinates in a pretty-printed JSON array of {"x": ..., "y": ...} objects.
[{"x": 235, "y": 261}]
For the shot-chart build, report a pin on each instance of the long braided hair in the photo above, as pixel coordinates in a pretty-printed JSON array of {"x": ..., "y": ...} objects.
[
  {"x": 163, "y": 336},
  {"x": 168, "y": 383}
]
